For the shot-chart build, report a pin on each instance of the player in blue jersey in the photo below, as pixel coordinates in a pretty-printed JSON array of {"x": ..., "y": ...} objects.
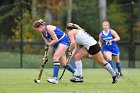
[
  {"x": 53, "y": 36},
  {"x": 107, "y": 40}
]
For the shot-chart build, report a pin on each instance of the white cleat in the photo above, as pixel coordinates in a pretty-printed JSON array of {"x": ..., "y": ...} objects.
[{"x": 53, "y": 80}]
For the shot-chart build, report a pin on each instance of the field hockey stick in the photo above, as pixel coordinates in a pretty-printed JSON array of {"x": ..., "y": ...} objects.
[
  {"x": 42, "y": 66},
  {"x": 68, "y": 60}
]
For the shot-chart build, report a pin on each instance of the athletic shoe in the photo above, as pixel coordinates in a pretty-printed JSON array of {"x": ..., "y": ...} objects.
[
  {"x": 117, "y": 74},
  {"x": 76, "y": 79},
  {"x": 53, "y": 80},
  {"x": 121, "y": 74},
  {"x": 115, "y": 78}
]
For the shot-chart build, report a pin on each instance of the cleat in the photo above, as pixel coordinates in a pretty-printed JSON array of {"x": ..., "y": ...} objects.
[
  {"x": 117, "y": 75},
  {"x": 76, "y": 79},
  {"x": 115, "y": 78},
  {"x": 121, "y": 74},
  {"x": 53, "y": 80}
]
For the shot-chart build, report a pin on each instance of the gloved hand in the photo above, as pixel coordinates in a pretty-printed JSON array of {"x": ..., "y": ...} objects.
[
  {"x": 69, "y": 53},
  {"x": 45, "y": 59},
  {"x": 46, "y": 47}
]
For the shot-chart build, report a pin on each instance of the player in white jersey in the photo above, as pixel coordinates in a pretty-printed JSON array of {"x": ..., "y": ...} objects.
[{"x": 78, "y": 37}]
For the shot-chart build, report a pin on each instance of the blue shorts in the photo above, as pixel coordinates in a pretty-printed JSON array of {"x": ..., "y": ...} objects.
[
  {"x": 113, "y": 49},
  {"x": 65, "y": 41}
]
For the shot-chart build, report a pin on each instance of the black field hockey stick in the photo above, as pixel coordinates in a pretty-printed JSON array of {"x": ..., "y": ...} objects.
[
  {"x": 45, "y": 60},
  {"x": 64, "y": 69},
  {"x": 62, "y": 74}
]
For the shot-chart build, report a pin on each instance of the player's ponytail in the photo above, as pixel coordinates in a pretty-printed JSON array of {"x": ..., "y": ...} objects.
[
  {"x": 71, "y": 26},
  {"x": 78, "y": 27},
  {"x": 38, "y": 23}
]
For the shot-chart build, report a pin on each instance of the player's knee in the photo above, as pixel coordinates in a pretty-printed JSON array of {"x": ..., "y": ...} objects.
[
  {"x": 63, "y": 64},
  {"x": 56, "y": 57},
  {"x": 76, "y": 58},
  {"x": 108, "y": 58},
  {"x": 100, "y": 60}
]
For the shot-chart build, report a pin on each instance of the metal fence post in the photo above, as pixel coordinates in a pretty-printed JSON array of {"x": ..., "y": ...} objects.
[
  {"x": 131, "y": 55},
  {"x": 21, "y": 37}
]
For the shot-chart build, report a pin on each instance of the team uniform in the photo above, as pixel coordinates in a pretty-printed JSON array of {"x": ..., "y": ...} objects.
[
  {"x": 91, "y": 45},
  {"x": 109, "y": 47},
  {"x": 62, "y": 37}
]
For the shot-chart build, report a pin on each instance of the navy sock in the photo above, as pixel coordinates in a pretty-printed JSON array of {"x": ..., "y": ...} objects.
[
  {"x": 70, "y": 68},
  {"x": 56, "y": 67},
  {"x": 111, "y": 63},
  {"x": 119, "y": 67}
]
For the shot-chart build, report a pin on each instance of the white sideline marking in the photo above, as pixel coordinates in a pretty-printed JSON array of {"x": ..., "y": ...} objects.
[
  {"x": 117, "y": 91},
  {"x": 98, "y": 91}
]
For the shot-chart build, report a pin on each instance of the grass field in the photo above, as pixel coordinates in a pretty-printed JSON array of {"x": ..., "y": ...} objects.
[
  {"x": 95, "y": 81},
  {"x": 34, "y": 61}
]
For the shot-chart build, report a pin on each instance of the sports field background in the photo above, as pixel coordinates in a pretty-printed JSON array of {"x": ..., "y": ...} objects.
[
  {"x": 95, "y": 81},
  {"x": 14, "y": 79},
  {"x": 22, "y": 49},
  {"x": 17, "y": 38},
  {"x": 12, "y": 60}
]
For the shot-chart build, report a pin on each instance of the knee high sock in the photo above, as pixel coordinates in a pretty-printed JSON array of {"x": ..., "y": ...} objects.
[
  {"x": 70, "y": 68},
  {"x": 56, "y": 67},
  {"x": 111, "y": 63},
  {"x": 108, "y": 67},
  {"x": 78, "y": 65},
  {"x": 119, "y": 67}
]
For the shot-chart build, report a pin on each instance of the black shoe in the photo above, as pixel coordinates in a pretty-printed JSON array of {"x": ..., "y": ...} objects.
[
  {"x": 76, "y": 79},
  {"x": 115, "y": 78}
]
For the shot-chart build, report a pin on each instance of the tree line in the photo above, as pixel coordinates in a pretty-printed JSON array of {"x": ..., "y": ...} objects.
[{"x": 124, "y": 16}]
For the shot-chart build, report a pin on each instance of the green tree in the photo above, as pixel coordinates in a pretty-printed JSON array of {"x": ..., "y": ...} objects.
[
  {"x": 8, "y": 11},
  {"x": 85, "y": 13},
  {"x": 118, "y": 19}
]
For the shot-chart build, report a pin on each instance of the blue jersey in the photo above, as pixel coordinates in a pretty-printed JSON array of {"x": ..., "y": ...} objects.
[
  {"x": 109, "y": 47},
  {"x": 62, "y": 37}
]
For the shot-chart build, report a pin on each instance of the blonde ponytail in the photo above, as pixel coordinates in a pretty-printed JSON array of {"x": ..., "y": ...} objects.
[{"x": 78, "y": 27}]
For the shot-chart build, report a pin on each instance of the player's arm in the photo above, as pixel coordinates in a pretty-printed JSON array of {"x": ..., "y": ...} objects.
[
  {"x": 73, "y": 52},
  {"x": 72, "y": 40},
  {"x": 45, "y": 39},
  {"x": 100, "y": 40},
  {"x": 116, "y": 36},
  {"x": 75, "y": 49},
  {"x": 50, "y": 30},
  {"x": 46, "y": 42}
]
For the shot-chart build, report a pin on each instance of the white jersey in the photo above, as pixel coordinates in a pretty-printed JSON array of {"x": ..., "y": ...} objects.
[{"x": 83, "y": 38}]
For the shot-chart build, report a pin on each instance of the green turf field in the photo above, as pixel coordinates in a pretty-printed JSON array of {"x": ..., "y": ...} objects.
[{"x": 95, "y": 81}]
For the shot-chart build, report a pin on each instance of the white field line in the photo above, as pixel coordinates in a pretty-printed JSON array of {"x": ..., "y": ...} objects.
[{"x": 98, "y": 91}]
